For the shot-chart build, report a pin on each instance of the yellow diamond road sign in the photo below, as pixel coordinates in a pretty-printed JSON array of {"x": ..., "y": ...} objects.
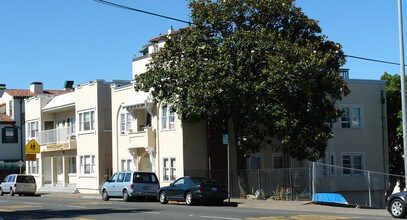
[{"x": 32, "y": 147}]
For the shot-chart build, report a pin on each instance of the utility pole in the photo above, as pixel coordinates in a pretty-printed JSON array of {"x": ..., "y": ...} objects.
[{"x": 403, "y": 89}]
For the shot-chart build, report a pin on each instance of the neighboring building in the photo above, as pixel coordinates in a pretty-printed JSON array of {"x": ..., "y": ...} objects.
[
  {"x": 74, "y": 132},
  {"x": 12, "y": 119},
  {"x": 148, "y": 136}
]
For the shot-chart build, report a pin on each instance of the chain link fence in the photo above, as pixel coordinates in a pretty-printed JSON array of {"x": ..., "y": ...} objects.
[{"x": 358, "y": 187}]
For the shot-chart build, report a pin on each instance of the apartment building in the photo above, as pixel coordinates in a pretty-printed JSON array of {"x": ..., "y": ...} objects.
[
  {"x": 74, "y": 132},
  {"x": 12, "y": 120}
]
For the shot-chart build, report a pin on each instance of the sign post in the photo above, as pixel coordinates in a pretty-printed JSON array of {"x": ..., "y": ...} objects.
[
  {"x": 20, "y": 164},
  {"x": 225, "y": 140}
]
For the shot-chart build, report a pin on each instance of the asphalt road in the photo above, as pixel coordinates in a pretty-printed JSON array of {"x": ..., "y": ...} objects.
[{"x": 83, "y": 209}]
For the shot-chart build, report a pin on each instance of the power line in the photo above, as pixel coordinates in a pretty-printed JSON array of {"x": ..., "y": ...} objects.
[
  {"x": 190, "y": 23},
  {"x": 141, "y": 11}
]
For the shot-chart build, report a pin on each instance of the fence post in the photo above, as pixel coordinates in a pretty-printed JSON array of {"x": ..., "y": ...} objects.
[
  {"x": 313, "y": 181},
  {"x": 370, "y": 193}
]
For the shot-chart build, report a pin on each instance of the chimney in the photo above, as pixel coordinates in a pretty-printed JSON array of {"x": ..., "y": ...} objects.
[
  {"x": 170, "y": 31},
  {"x": 68, "y": 85},
  {"x": 36, "y": 87},
  {"x": 2, "y": 88}
]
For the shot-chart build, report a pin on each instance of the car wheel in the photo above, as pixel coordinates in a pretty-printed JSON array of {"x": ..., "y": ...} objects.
[
  {"x": 163, "y": 198},
  {"x": 188, "y": 199},
  {"x": 126, "y": 196},
  {"x": 105, "y": 196},
  {"x": 11, "y": 192},
  {"x": 1, "y": 192},
  {"x": 397, "y": 208}
]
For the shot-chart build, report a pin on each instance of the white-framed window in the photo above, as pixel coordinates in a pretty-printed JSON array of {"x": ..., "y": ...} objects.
[
  {"x": 125, "y": 164},
  {"x": 277, "y": 159},
  {"x": 71, "y": 165},
  {"x": 10, "y": 107},
  {"x": 322, "y": 168},
  {"x": 167, "y": 118},
  {"x": 352, "y": 163},
  {"x": 125, "y": 122},
  {"x": 32, "y": 129},
  {"x": 87, "y": 164},
  {"x": 169, "y": 169},
  {"x": 351, "y": 117},
  {"x": 87, "y": 120},
  {"x": 332, "y": 161},
  {"x": 33, "y": 166},
  {"x": 255, "y": 162}
]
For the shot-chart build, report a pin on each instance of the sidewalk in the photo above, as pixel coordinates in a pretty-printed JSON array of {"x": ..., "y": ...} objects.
[{"x": 296, "y": 206}]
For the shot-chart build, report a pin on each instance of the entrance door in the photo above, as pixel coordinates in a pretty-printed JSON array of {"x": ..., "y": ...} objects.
[
  {"x": 60, "y": 172},
  {"x": 47, "y": 170},
  {"x": 145, "y": 163}
]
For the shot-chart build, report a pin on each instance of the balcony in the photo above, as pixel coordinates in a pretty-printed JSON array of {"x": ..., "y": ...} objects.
[
  {"x": 57, "y": 139},
  {"x": 142, "y": 139}
]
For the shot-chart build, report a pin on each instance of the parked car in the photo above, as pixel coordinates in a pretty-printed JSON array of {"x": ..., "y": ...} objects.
[
  {"x": 131, "y": 184},
  {"x": 20, "y": 184},
  {"x": 192, "y": 190},
  {"x": 396, "y": 204}
]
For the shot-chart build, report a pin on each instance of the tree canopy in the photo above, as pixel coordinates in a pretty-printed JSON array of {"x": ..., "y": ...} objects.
[
  {"x": 394, "y": 126},
  {"x": 263, "y": 64}
]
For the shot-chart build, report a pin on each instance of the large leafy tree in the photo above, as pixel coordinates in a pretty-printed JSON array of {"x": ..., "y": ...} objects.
[
  {"x": 394, "y": 128},
  {"x": 261, "y": 64}
]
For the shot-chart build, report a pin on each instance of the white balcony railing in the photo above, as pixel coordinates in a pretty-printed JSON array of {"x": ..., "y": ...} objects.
[{"x": 56, "y": 136}]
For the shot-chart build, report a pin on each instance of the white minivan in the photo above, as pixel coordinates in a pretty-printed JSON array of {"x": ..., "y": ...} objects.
[{"x": 20, "y": 184}]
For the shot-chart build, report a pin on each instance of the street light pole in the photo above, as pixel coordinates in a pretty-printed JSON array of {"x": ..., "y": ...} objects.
[{"x": 403, "y": 89}]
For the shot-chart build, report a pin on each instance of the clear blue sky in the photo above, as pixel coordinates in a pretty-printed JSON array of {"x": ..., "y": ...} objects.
[{"x": 81, "y": 40}]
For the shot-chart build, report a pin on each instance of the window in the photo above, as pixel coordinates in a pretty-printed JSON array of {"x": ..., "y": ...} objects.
[
  {"x": 125, "y": 164},
  {"x": 87, "y": 121},
  {"x": 169, "y": 169},
  {"x": 32, "y": 129},
  {"x": 351, "y": 117},
  {"x": 168, "y": 118},
  {"x": 87, "y": 164},
  {"x": 72, "y": 164},
  {"x": 332, "y": 161},
  {"x": 321, "y": 167},
  {"x": 255, "y": 162},
  {"x": 10, "y": 135},
  {"x": 125, "y": 122},
  {"x": 277, "y": 161},
  {"x": 10, "y": 108},
  {"x": 352, "y": 164},
  {"x": 33, "y": 166}
]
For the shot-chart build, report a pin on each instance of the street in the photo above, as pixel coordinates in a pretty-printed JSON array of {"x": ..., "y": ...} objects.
[{"x": 73, "y": 208}]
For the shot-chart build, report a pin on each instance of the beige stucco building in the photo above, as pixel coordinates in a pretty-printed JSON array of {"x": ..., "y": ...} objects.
[{"x": 74, "y": 133}]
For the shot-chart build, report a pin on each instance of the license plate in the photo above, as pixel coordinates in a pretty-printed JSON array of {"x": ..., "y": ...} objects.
[{"x": 214, "y": 189}]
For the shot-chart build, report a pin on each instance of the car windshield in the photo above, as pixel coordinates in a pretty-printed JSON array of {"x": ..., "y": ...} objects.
[
  {"x": 199, "y": 180},
  {"x": 25, "y": 179}
]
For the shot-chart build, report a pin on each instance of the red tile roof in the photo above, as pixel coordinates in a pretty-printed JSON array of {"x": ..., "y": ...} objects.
[
  {"x": 25, "y": 93},
  {"x": 5, "y": 119}
]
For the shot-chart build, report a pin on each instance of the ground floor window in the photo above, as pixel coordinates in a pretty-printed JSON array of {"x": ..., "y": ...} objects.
[
  {"x": 255, "y": 162},
  {"x": 33, "y": 166},
  {"x": 277, "y": 159},
  {"x": 87, "y": 164},
  {"x": 169, "y": 169},
  {"x": 72, "y": 165},
  {"x": 352, "y": 163},
  {"x": 125, "y": 164}
]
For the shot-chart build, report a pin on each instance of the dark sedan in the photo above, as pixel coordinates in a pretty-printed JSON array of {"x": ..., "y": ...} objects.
[
  {"x": 396, "y": 204},
  {"x": 193, "y": 190}
]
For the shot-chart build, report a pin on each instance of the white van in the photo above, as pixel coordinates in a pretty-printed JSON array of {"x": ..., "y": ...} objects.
[
  {"x": 20, "y": 184},
  {"x": 131, "y": 184}
]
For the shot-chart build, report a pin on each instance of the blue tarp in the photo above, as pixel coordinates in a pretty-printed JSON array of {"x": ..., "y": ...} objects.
[{"x": 329, "y": 198}]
